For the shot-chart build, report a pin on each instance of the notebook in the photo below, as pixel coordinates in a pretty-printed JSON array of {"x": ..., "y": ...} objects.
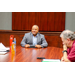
[{"x": 51, "y": 60}]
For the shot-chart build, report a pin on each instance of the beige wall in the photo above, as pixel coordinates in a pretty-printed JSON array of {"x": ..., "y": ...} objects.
[
  {"x": 70, "y": 21},
  {"x": 5, "y": 21}
]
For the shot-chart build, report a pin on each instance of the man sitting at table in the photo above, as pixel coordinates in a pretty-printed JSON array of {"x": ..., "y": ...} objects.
[
  {"x": 68, "y": 39},
  {"x": 34, "y": 39}
]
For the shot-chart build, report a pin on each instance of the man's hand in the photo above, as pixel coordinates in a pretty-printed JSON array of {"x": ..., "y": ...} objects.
[
  {"x": 38, "y": 46},
  {"x": 62, "y": 60},
  {"x": 27, "y": 45},
  {"x": 64, "y": 47}
]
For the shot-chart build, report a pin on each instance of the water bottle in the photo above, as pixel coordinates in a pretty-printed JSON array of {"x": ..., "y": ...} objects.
[{"x": 15, "y": 44}]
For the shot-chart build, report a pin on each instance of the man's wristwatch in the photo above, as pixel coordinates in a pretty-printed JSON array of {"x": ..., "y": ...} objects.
[{"x": 64, "y": 51}]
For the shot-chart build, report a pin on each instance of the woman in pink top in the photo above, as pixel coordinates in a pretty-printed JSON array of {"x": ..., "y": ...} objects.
[{"x": 68, "y": 40}]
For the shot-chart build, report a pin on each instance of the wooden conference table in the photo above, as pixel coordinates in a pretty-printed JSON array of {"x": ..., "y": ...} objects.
[{"x": 31, "y": 54}]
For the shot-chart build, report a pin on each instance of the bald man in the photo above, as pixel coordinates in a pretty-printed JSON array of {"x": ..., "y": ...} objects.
[{"x": 34, "y": 39}]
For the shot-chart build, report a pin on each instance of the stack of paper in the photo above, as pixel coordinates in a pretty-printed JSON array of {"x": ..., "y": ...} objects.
[
  {"x": 3, "y": 49},
  {"x": 51, "y": 60}
]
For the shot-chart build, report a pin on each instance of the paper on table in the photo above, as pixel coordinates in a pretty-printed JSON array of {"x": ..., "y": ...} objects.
[
  {"x": 3, "y": 48},
  {"x": 51, "y": 60},
  {"x": 2, "y": 53}
]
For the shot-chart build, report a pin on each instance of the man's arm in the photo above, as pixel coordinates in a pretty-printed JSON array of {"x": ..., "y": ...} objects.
[
  {"x": 64, "y": 58},
  {"x": 23, "y": 42},
  {"x": 44, "y": 42}
]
